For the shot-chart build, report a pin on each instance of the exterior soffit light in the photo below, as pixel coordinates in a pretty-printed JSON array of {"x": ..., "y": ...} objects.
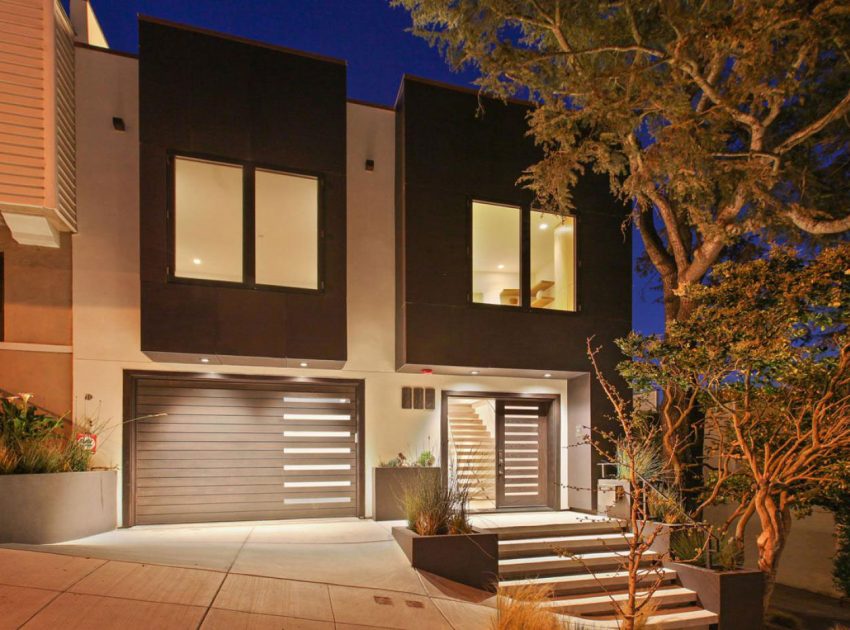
[
  {"x": 547, "y": 375},
  {"x": 303, "y": 364}
]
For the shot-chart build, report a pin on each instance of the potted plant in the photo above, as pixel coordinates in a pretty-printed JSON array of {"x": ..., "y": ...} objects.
[
  {"x": 392, "y": 476},
  {"x": 710, "y": 564},
  {"x": 48, "y": 492},
  {"x": 438, "y": 537}
]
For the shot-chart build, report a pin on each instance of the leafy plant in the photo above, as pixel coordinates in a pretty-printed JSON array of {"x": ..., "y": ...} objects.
[
  {"x": 426, "y": 459},
  {"x": 34, "y": 442},
  {"x": 20, "y": 420},
  {"x": 704, "y": 547}
]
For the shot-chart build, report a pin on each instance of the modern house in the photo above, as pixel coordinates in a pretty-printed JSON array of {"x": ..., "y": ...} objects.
[{"x": 268, "y": 288}]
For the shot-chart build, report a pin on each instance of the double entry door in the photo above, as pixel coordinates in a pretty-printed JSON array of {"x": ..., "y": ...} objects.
[{"x": 499, "y": 449}]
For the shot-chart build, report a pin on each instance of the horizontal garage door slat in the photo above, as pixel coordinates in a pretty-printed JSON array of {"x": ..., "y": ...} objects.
[{"x": 243, "y": 450}]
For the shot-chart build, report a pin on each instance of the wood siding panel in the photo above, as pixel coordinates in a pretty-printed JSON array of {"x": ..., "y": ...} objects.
[
  {"x": 37, "y": 124},
  {"x": 22, "y": 91},
  {"x": 247, "y": 450}
]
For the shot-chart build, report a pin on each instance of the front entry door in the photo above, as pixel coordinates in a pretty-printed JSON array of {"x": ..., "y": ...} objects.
[{"x": 521, "y": 453}]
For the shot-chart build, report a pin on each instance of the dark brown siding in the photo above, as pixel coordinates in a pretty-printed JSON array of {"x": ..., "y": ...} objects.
[
  {"x": 453, "y": 153},
  {"x": 208, "y": 95}
]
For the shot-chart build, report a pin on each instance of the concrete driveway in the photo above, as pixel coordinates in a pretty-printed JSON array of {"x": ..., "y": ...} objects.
[{"x": 306, "y": 575}]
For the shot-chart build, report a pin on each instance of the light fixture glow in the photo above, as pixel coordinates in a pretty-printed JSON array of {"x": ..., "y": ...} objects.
[
  {"x": 500, "y": 266},
  {"x": 543, "y": 226},
  {"x": 475, "y": 372},
  {"x": 205, "y": 360},
  {"x": 303, "y": 364},
  {"x": 197, "y": 261},
  {"x": 547, "y": 375}
]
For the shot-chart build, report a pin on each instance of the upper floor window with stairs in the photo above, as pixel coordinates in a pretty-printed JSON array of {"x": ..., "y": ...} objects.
[
  {"x": 242, "y": 224},
  {"x": 522, "y": 258}
]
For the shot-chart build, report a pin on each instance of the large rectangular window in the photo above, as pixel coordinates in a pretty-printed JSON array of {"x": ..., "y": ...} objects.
[
  {"x": 495, "y": 254},
  {"x": 553, "y": 262},
  {"x": 207, "y": 220},
  {"x": 286, "y": 229},
  {"x": 269, "y": 237},
  {"x": 523, "y": 258}
]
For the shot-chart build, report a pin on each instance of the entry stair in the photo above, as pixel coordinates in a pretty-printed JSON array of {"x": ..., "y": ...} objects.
[
  {"x": 583, "y": 565},
  {"x": 475, "y": 454}
]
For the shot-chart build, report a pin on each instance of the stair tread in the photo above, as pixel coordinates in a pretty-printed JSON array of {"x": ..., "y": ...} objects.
[
  {"x": 669, "y": 620},
  {"x": 579, "y": 538},
  {"x": 579, "y": 601},
  {"x": 662, "y": 573},
  {"x": 599, "y": 555}
]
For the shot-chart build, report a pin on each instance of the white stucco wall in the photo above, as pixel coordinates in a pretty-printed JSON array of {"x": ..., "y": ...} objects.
[{"x": 106, "y": 275}]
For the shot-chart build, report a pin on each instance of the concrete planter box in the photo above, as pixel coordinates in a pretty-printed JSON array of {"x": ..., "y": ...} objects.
[
  {"x": 389, "y": 483},
  {"x": 54, "y": 507},
  {"x": 736, "y": 596},
  {"x": 471, "y": 559}
]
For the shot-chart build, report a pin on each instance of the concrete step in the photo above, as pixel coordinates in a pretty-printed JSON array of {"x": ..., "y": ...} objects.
[
  {"x": 577, "y": 563},
  {"x": 575, "y": 544},
  {"x": 546, "y": 530},
  {"x": 664, "y": 597},
  {"x": 578, "y": 583},
  {"x": 672, "y": 619}
]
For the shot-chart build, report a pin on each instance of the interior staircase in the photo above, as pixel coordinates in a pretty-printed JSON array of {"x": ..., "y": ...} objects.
[
  {"x": 475, "y": 455},
  {"x": 583, "y": 565}
]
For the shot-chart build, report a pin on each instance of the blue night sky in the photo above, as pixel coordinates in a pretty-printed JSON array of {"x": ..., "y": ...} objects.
[{"x": 367, "y": 33}]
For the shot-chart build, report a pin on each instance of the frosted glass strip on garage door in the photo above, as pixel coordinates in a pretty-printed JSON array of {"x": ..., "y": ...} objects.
[{"x": 230, "y": 450}]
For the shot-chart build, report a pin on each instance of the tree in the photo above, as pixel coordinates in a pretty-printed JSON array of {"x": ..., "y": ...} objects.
[
  {"x": 722, "y": 121},
  {"x": 718, "y": 118},
  {"x": 767, "y": 351}
]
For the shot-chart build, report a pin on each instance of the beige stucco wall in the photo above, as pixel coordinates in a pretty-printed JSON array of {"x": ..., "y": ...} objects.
[
  {"x": 106, "y": 274},
  {"x": 807, "y": 559},
  {"x": 35, "y": 355}
]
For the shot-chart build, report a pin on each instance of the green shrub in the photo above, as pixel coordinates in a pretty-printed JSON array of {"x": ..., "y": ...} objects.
[
  {"x": 704, "y": 547},
  {"x": 32, "y": 442}
]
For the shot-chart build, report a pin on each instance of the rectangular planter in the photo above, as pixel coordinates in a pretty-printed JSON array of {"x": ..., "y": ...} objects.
[
  {"x": 736, "y": 596},
  {"x": 388, "y": 485},
  {"x": 471, "y": 559},
  {"x": 55, "y": 507}
]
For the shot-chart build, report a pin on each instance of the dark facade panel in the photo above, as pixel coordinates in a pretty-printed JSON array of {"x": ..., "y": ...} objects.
[
  {"x": 216, "y": 97},
  {"x": 453, "y": 152}
]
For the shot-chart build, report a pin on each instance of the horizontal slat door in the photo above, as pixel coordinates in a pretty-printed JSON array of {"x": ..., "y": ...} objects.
[
  {"x": 521, "y": 433},
  {"x": 243, "y": 451}
]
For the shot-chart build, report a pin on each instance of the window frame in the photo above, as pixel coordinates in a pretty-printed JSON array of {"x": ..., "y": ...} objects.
[
  {"x": 249, "y": 232},
  {"x": 524, "y": 305}
]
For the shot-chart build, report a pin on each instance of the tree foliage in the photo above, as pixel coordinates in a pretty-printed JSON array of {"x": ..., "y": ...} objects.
[
  {"x": 719, "y": 118},
  {"x": 766, "y": 352}
]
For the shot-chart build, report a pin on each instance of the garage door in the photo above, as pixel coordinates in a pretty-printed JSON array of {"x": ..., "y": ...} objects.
[{"x": 233, "y": 449}]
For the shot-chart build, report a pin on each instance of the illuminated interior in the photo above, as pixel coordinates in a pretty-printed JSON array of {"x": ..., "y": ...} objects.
[{"x": 496, "y": 258}]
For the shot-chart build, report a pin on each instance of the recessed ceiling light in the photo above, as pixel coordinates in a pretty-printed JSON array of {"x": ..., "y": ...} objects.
[
  {"x": 547, "y": 375},
  {"x": 475, "y": 372},
  {"x": 303, "y": 364},
  {"x": 501, "y": 266},
  {"x": 205, "y": 360},
  {"x": 197, "y": 261},
  {"x": 543, "y": 226}
]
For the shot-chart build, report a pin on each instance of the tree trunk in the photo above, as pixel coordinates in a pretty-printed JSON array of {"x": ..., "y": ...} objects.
[{"x": 775, "y": 526}]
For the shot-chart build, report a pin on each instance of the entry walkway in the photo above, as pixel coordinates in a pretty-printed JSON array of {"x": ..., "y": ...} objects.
[{"x": 310, "y": 575}]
